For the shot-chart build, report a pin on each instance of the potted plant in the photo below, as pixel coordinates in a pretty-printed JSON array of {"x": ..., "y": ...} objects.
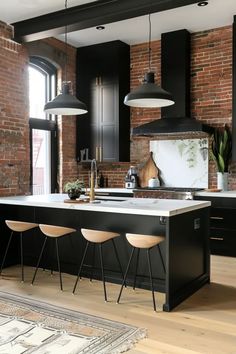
[
  {"x": 74, "y": 188},
  {"x": 222, "y": 152}
]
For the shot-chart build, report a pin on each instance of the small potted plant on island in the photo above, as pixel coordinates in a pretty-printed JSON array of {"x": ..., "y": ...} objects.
[
  {"x": 74, "y": 189},
  {"x": 222, "y": 152}
]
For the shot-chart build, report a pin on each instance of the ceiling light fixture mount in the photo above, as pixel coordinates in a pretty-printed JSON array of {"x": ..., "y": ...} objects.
[
  {"x": 149, "y": 94},
  {"x": 65, "y": 103},
  {"x": 202, "y": 3}
]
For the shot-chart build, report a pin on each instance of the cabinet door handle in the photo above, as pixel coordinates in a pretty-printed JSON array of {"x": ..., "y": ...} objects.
[
  {"x": 217, "y": 217},
  {"x": 217, "y": 238}
]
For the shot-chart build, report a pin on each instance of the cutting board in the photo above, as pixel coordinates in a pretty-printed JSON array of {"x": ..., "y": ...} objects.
[{"x": 147, "y": 170}]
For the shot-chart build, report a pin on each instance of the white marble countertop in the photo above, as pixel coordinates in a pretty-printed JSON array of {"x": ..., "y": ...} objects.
[
  {"x": 222, "y": 194},
  {"x": 137, "y": 206},
  {"x": 203, "y": 193}
]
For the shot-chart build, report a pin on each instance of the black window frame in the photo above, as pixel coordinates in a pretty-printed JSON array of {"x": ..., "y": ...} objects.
[{"x": 47, "y": 124}]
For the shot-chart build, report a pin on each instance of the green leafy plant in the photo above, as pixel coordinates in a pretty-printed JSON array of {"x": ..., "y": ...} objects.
[
  {"x": 75, "y": 185},
  {"x": 222, "y": 148}
]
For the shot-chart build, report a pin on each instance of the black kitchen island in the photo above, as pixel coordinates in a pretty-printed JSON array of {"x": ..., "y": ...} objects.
[{"x": 185, "y": 225}]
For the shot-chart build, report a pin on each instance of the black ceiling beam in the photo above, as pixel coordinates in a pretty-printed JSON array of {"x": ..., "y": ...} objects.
[{"x": 89, "y": 15}]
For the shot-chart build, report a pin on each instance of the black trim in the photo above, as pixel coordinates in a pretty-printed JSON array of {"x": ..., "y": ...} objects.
[
  {"x": 89, "y": 15},
  {"x": 43, "y": 65},
  {"x": 48, "y": 125},
  {"x": 42, "y": 124}
]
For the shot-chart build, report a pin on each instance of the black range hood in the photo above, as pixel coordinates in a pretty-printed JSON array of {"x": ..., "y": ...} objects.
[{"x": 175, "y": 74}]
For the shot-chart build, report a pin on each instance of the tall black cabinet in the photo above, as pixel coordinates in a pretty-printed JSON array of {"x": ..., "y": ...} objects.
[{"x": 103, "y": 77}]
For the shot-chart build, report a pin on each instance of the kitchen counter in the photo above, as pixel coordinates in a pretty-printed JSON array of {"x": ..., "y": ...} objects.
[
  {"x": 222, "y": 194},
  {"x": 137, "y": 206},
  {"x": 184, "y": 224}
]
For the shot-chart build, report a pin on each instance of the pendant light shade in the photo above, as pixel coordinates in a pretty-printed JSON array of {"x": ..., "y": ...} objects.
[
  {"x": 65, "y": 103},
  {"x": 148, "y": 94}
]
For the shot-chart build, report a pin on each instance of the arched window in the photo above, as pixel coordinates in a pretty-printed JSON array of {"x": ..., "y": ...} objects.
[{"x": 43, "y": 127}]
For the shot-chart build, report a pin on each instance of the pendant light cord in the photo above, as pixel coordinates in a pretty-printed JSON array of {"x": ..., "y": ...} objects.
[
  {"x": 66, "y": 54},
  {"x": 149, "y": 42}
]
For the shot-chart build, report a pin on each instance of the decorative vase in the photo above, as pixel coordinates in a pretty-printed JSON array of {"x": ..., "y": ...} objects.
[
  {"x": 74, "y": 193},
  {"x": 222, "y": 181}
]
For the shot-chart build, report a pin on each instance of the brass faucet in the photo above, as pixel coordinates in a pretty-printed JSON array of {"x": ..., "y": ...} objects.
[{"x": 93, "y": 180}]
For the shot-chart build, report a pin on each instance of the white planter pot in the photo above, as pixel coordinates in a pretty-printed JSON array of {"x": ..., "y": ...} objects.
[{"x": 222, "y": 181}]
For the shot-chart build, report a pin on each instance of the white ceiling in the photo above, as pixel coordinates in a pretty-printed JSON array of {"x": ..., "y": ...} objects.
[{"x": 217, "y": 13}]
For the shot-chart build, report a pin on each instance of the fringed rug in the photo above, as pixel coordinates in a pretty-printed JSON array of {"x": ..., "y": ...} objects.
[{"x": 29, "y": 326}]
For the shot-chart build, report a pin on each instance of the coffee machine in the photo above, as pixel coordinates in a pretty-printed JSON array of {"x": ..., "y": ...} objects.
[{"x": 131, "y": 179}]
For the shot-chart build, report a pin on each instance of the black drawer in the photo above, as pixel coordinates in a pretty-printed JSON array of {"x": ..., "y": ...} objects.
[
  {"x": 223, "y": 242},
  {"x": 223, "y": 218}
]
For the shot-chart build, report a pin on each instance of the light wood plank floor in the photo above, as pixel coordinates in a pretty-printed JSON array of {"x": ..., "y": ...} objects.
[{"x": 205, "y": 323}]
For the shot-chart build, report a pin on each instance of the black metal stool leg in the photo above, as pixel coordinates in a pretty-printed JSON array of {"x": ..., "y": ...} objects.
[
  {"x": 151, "y": 280},
  {"x": 81, "y": 265},
  {"x": 136, "y": 268},
  {"x": 102, "y": 270},
  {"x": 118, "y": 259},
  {"x": 21, "y": 258},
  {"x": 162, "y": 261},
  {"x": 125, "y": 276},
  {"x": 39, "y": 259},
  {"x": 5, "y": 255},
  {"x": 58, "y": 263},
  {"x": 93, "y": 256}
]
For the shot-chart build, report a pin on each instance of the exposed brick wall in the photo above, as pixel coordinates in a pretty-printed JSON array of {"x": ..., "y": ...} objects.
[
  {"x": 211, "y": 90},
  {"x": 14, "y": 131},
  {"x": 211, "y": 82},
  {"x": 14, "y": 111}
]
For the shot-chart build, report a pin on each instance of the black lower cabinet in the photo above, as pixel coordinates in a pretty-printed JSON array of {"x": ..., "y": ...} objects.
[
  {"x": 71, "y": 247},
  {"x": 222, "y": 226}
]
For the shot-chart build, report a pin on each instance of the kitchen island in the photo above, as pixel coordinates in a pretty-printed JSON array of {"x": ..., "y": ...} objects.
[{"x": 185, "y": 225}]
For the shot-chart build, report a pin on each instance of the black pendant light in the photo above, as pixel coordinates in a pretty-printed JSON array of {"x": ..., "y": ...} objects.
[
  {"x": 149, "y": 94},
  {"x": 65, "y": 103}
]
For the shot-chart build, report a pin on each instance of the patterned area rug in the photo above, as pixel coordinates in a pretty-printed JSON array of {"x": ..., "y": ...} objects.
[{"x": 29, "y": 326}]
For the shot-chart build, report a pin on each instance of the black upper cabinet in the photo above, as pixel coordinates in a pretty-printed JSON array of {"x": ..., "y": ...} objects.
[{"x": 103, "y": 80}]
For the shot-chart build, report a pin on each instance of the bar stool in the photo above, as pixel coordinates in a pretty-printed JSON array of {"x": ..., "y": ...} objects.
[
  {"x": 53, "y": 232},
  {"x": 98, "y": 237},
  {"x": 17, "y": 226},
  {"x": 139, "y": 241}
]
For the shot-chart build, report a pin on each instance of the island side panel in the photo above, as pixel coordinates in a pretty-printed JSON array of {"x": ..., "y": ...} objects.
[{"x": 187, "y": 255}]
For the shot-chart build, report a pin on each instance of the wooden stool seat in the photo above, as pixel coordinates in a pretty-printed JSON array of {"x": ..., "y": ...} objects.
[
  {"x": 20, "y": 226},
  {"x": 144, "y": 241},
  {"x": 55, "y": 231},
  {"x": 140, "y": 241},
  {"x": 98, "y": 237},
  {"x": 17, "y": 226}
]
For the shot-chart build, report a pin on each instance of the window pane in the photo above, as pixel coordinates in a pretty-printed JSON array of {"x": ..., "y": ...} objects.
[
  {"x": 37, "y": 93},
  {"x": 41, "y": 142}
]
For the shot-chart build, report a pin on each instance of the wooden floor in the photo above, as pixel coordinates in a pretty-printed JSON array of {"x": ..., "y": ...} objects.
[{"x": 205, "y": 323}]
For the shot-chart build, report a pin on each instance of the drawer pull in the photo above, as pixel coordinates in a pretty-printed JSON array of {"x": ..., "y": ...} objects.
[
  {"x": 216, "y": 217},
  {"x": 217, "y": 238}
]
